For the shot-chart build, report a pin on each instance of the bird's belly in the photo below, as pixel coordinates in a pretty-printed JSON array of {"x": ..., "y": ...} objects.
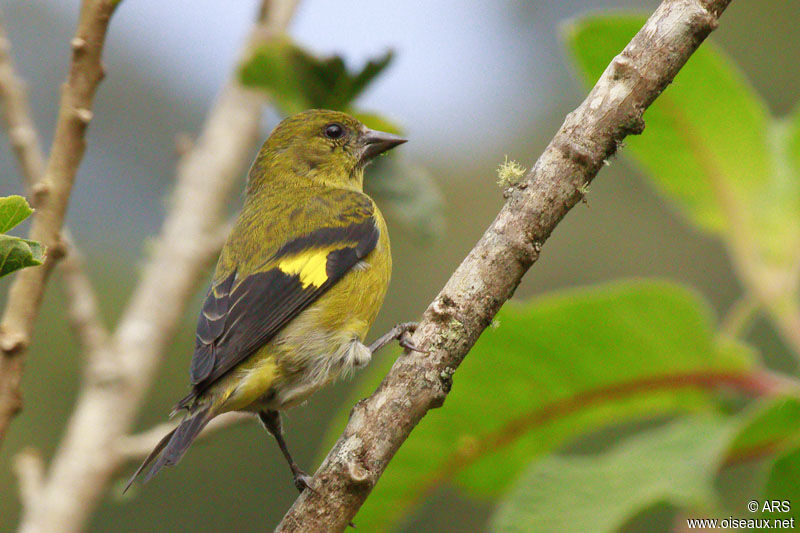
[{"x": 321, "y": 344}]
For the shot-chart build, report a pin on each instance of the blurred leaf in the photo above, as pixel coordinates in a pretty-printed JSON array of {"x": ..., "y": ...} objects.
[
  {"x": 777, "y": 207},
  {"x": 297, "y": 80},
  {"x": 771, "y": 427},
  {"x": 794, "y": 141},
  {"x": 555, "y": 368},
  {"x": 782, "y": 486},
  {"x": 16, "y": 253},
  {"x": 707, "y": 143},
  {"x": 360, "y": 81},
  {"x": 409, "y": 193},
  {"x": 13, "y": 210},
  {"x": 285, "y": 72},
  {"x": 377, "y": 122},
  {"x": 674, "y": 464}
]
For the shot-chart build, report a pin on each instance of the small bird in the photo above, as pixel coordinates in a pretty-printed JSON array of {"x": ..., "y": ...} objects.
[{"x": 298, "y": 283}]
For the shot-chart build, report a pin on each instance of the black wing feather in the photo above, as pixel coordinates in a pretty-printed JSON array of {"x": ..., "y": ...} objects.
[
  {"x": 210, "y": 326},
  {"x": 237, "y": 320}
]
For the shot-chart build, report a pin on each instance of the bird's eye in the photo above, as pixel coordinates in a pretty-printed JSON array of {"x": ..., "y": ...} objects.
[{"x": 334, "y": 131}]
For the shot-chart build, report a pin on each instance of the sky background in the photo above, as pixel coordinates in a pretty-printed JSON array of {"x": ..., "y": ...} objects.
[{"x": 472, "y": 81}]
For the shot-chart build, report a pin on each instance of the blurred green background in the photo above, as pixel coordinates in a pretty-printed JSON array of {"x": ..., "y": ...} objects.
[{"x": 472, "y": 82}]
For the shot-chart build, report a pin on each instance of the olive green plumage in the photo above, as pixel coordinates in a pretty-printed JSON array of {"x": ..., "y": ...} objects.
[{"x": 298, "y": 283}]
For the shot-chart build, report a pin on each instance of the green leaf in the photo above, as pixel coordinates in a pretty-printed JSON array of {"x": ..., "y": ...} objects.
[
  {"x": 285, "y": 72},
  {"x": 377, "y": 122},
  {"x": 409, "y": 194},
  {"x": 708, "y": 144},
  {"x": 674, "y": 464},
  {"x": 772, "y": 427},
  {"x": 782, "y": 486},
  {"x": 13, "y": 210},
  {"x": 555, "y": 368},
  {"x": 297, "y": 80},
  {"x": 16, "y": 253},
  {"x": 370, "y": 71}
]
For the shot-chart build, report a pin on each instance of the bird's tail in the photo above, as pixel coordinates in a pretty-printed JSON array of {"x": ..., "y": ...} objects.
[{"x": 171, "y": 448}]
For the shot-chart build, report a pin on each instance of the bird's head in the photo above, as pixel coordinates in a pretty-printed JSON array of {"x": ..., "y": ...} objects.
[{"x": 319, "y": 147}]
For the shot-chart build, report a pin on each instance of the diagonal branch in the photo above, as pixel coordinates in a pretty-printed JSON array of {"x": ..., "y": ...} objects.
[
  {"x": 136, "y": 447},
  {"x": 84, "y": 315},
  {"x": 51, "y": 198},
  {"x": 118, "y": 375},
  {"x": 491, "y": 272},
  {"x": 24, "y": 139}
]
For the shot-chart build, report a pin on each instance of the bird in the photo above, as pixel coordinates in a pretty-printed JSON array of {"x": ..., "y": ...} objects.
[{"x": 297, "y": 286}]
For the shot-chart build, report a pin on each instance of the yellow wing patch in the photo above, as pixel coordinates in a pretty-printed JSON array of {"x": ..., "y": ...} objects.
[{"x": 309, "y": 265}]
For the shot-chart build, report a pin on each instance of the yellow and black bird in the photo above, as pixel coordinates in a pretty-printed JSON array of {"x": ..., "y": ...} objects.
[{"x": 298, "y": 283}]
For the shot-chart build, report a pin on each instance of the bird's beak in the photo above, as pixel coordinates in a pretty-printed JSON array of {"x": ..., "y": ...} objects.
[{"x": 377, "y": 142}]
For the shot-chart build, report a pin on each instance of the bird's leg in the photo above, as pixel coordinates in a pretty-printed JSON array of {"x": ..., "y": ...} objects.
[
  {"x": 400, "y": 333},
  {"x": 272, "y": 422}
]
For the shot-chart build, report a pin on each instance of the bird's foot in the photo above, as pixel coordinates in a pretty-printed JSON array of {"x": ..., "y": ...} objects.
[
  {"x": 402, "y": 334},
  {"x": 303, "y": 481}
]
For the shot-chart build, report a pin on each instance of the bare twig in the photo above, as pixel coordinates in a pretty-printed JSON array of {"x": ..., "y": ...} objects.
[
  {"x": 493, "y": 269},
  {"x": 25, "y": 140},
  {"x": 83, "y": 312},
  {"x": 740, "y": 316},
  {"x": 51, "y": 197},
  {"x": 29, "y": 469},
  {"x": 134, "y": 447},
  {"x": 119, "y": 374}
]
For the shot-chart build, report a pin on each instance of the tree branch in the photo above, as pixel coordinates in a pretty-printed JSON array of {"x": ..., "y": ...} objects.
[
  {"x": 135, "y": 447},
  {"x": 51, "y": 197},
  {"x": 491, "y": 272},
  {"x": 118, "y": 375},
  {"x": 25, "y": 140},
  {"x": 29, "y": 469},
  {"x": 83, "y": 312}
]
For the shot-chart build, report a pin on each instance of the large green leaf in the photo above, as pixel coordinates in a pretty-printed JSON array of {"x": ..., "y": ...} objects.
[
  {"x": 781, "y": 498},
  {"x": 555, "y": 368},
  {"x": 708, "y": 143},
  {"x": 674, "y": 464},
  {"x": 13, "y": 210},
  {"x": 772, "y": 428},
  {"x": 296, "y": 79}
]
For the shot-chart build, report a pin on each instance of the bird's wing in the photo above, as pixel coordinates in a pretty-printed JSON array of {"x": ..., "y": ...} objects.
[{"x": 243, "y": 312}]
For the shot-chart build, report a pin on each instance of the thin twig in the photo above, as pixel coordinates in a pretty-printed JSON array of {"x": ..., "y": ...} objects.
[
  {"x": 25, "y": 140},
  {"x": 134, "y": 447},
  {"x": 83, "y": 312},
  {"x": 491, "y": 272},
  {"x": 740, "y": 316},
  {"x": 119, "y": 375},
  {"x": 29, "y": 468},
  {"x": 51, "y": 197}
]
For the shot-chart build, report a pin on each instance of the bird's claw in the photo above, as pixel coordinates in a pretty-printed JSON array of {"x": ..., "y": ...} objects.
[
  {"x": 405, "y": 342},
  {"x": 303, "y": 481}
]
